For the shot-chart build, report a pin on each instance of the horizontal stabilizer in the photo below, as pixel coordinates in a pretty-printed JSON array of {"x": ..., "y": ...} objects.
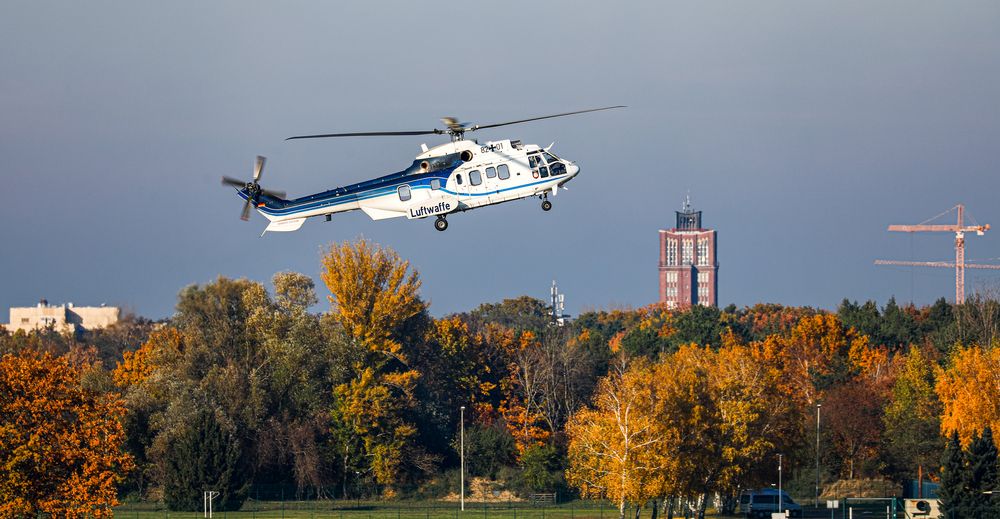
[
  {"x": 284, "y": 225},
  {"x": 380, "y": 214}
]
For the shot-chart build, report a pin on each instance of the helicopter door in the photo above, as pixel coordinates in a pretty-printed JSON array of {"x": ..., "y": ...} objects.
[
  {"x": 477, "y": 189},
  {"x": 492, "y": 184}
]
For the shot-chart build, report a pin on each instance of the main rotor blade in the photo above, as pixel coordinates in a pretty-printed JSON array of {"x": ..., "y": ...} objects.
[
  {"x": 245, "y": 215},
  {"x": 230, "y": 181},
  {"x": 367, "y": 134},
  {"x": 482, "y": 126},
  {"x": 258, "y": 167}
]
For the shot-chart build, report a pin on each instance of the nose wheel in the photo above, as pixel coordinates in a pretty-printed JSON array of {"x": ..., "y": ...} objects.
[
  {"x": 440, "y": 224},
  {"x": 546, "y": 205}
]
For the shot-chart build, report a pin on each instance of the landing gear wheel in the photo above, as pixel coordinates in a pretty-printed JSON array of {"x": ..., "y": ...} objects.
[
  {"x": 546, "y": 205},
  {"x": 440, "y": 224}
]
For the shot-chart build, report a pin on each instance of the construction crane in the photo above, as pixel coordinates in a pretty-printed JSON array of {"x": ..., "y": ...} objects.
[{"x": 959, "y": 229}]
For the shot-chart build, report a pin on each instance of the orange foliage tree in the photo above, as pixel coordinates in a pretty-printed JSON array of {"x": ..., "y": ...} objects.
[
  {"x": 521, "y": 406},
  {"x": 970, "y": 392},
  {"x": 60, "y": 445}
]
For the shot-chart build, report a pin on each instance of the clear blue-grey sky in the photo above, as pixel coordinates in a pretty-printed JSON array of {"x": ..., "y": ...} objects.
[{"x": 801, "y": 129}]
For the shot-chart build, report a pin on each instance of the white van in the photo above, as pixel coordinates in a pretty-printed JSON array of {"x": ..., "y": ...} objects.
[{"x": 762, "y": 503}]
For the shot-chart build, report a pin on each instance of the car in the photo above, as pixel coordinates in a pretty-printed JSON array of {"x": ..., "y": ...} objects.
[{"x": 762, "y": 503}]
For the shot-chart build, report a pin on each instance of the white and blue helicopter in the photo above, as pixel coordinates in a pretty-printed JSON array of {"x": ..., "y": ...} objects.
[{"x": 457, "y": 176}]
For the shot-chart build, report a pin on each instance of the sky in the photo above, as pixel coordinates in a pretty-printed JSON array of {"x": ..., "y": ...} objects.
[{"x": 800, "y": 129}]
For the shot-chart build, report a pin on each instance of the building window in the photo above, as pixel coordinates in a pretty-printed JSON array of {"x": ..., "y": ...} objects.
[
  {"x": 671, "y": 251},
  {"x": 503, "y": 172},
  {"x": 672, "y": 277},
  {"x": 687, "y": 252},
  {"x": 703, "y": 251},
  {"x": 404, "y": 192},
  {"x": 25, "y": 320}
]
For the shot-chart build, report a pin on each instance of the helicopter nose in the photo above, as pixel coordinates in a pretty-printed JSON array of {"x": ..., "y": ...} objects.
[{"x": 572, "y": 169}]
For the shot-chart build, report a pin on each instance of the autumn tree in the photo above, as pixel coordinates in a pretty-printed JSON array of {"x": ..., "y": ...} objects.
[
  {"x": 612, "y": 444},
  {"x": 60, "y": 445},
  {"x": 375, "y": 300},
  {"x": 912, "y": 418},
  {"x": 969, "y": 390}
]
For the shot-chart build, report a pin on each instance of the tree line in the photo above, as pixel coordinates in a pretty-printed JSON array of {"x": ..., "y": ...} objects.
[{"x": 249, "y": 392}]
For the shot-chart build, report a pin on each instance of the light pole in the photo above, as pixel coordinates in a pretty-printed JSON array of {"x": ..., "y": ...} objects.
[
  {"x": 780, "y": 500},
  {"x": 817, "y": 454},
  {"x": 462, "y": 456}
]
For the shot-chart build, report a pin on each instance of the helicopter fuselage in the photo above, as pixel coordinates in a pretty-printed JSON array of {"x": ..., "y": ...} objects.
[{"x": 457, "y": 176}]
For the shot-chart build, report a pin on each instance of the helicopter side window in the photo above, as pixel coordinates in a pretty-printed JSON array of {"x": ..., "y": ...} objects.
[
  {"x": 491, "y": 172},
  {"x": 475, "y": 177},
  {"x": 435, "y": 183},
  {"x": 544, "y": 171},
  {"x": 458, "y": 179},
  {"x": 404, "y": 192},
  {"x": 503, "y": 172}
]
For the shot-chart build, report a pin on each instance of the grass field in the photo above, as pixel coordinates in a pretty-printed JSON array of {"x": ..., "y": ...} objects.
[{"x": 386, "y": 510}]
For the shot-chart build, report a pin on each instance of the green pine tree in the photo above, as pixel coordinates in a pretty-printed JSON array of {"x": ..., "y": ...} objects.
[
  {"x": 204, "y": 457},
  {"x": 952, "y": 490},
  {"x": 982, "y": 477}
]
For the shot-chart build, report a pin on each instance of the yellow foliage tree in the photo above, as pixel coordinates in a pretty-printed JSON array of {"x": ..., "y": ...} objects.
[
  {"x": 970, "y": 392},
  {"x": 60, "y": 446},
  {"x": 373, "y": 293},
  {"x": 612, "y": 446}
]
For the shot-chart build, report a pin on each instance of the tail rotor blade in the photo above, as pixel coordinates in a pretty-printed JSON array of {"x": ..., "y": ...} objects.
[
  {"x": 258, "y": 167},
  {"x": 230, "y": 181},
  {"x": 245, "y": 215},
  {"x": 275, "y": 194}
]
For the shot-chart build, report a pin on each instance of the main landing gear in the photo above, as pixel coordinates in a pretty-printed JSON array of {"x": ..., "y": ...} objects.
[
  {"x": 440, "y": 224},
  {"x": 546, "y": 205}
]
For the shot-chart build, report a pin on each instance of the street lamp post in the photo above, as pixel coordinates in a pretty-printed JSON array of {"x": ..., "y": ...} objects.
[
  {"x": 462, "y": 456},
  {"x": 817, "y": 454},
  {"x": 781, "y": 501}
]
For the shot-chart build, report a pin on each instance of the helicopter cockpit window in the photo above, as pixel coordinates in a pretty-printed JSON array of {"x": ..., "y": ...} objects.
[
  {"x": 491, "y": 172},
  {"x": 475, "y": 177},
  {"x": 533, "y": 161},
  {"x": 556, "y": 165},
  {"x": 404, "y": 192},
  {"x": 435, "y": 183},
  {"x": 503, "y": 172}
]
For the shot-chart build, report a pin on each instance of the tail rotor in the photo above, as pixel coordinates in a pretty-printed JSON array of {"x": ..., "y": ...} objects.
[{"x": 252, "y": 188}]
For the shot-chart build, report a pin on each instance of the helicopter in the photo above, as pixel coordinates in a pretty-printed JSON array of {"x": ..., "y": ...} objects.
[{"x": 457, "y": 176}]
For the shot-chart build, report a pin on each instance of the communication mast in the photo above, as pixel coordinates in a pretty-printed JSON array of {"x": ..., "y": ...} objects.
[
  {"x": 959, "y": 229},
  {"x": 558, "y": 306}
]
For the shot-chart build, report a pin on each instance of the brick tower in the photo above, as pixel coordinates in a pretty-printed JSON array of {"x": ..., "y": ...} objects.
[{"x": 688, "y": 264}]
